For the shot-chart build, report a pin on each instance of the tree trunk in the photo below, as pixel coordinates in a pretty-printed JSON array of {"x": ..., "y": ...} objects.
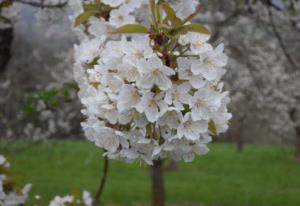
[
  {"x": 158, "y": 190},
  {"x": 239, "y": 138},
  {"x": 6, "y": 38},
  {"x": 294, "y": 118},
  {"x": 298, "y": 145},
  {"x": 240, "y": 143}
]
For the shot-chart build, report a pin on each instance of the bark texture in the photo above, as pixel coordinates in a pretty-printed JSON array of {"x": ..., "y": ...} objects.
[
  {"x": 158, "y": 189},
  {"x": 294, "y": 115},
  {"x": 6, "y": 38}
]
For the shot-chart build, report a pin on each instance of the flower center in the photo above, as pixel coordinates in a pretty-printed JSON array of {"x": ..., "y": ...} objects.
[
  {"x": 199, "y": 103},
  {"x": 177, "y": 95},
  {"x": 139, "y": 54},
  {"x": 152, "y": 103},
  {"x": 135, "y": 97},
  {"x": 209, "y": 62},
  {"x": 156, "y": 72},
  {"x": 188, "y": 125}
]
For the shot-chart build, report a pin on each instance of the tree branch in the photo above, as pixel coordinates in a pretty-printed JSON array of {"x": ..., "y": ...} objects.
[
  {"x": 97, "y": 198},
  {"x": 41, "y": 4},
  {"x": 281, "y": 41}
]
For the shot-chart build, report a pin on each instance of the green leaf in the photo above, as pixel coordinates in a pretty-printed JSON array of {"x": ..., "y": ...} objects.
[
  {"x": 293, "y": 10},
  {"x": 130, "y": 28},
  {"x": 149, "y": 130},
  {"x": 97, "y": 6},
  {"x": 84, "y": 17},
  {"x": 171, "y": 14},
  {"x": 6, "y": 4},
  {"x": 212, "y": 127},
  {"x": 191, "y": 28},
  {"x": 91, "y": 64}
]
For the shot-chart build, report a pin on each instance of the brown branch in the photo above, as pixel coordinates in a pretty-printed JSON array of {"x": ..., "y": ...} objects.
[
  {"x": 281, "y": 41},
  {"x": 97, "y": 198},
  {"x": 190, "y": 17},
  {"x": 41, "y": 4}
]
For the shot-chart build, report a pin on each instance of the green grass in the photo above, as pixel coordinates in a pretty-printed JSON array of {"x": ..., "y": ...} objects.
[{"x": 260, "y": 176}]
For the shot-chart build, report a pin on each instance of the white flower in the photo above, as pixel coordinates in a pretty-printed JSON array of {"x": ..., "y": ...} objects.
[
  {"x": 107, "y": 139},
  {"x": 2, "y": 160},
  {"x": 110, "y": 112},
  {"x": 221, "y": 121},
  {"x": 191, "y": 129},
  {"x": 87, "y": 51},
  {"x": 211, "y": 64},
  {"x": 172, "y": 118},
  {"x": 185, "y": 73},
  {"x": 131, "y": 5},
  {"x": 198, "y": 42},
  {"x": 204, "y": 103},
  {"x": 132, "y": 115},
  {"x": 129, "y": 72},
  {"x": 76, "y": 6},
  {"x": 152, "y": 105},
  {"x": 179, "y": 95},
  {"x": 93, "y": 99},
  {"x": 99, "y": 27},
  {"x": 87, "y": 199},
  {"x": 128, "y": 98},
  {"x": 120, "y": 17},
  {"x": 70, "y": 200},
  {"x": 113, "y": 83},
  {"x": 11, "y": 196},
  {"x": 185, "y": 8},
  {"x": 155, "y": 73},
  {"x": 138, "y": 49},
  {"x": 113, "y": 3}
]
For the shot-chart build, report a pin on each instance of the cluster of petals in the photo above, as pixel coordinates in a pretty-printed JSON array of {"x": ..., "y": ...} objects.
[
  {"x": 86, "y": 200},
  {"x": 11, "y": 196},
  {"x": 137, "y": 107}
]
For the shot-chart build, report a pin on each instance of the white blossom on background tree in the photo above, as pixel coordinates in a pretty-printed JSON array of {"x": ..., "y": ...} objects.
[
  {"x": 149, "y": 92},
  {"x": 11, "y": 194},
  {"x": 264, "y": 67},
  {"x": 43, "y": 105},
  {"x": 70, "y": 200}
]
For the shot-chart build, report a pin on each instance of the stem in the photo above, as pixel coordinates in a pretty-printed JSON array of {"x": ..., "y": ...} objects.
[
  {"x": 98, "y": 195},
  {"x": 158, "y": 189},
  {"x": 153, "y": 13},
  {"x": 190, "y": 17}
]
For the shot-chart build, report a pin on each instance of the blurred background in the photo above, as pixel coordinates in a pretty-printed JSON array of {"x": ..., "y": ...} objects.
[{"x": 256, "y": 163}]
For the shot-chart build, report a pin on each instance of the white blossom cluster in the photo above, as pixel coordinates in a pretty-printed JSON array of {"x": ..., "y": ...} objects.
[
  {"x": 138, "y": 105},
  {"x": 8, "y": 13},
  {"x": 10, "y": 197},
  {"x": 71, "y": 200}
]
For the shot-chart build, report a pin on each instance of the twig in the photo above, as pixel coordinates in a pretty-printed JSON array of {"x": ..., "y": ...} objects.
[
  {"x": 98, "y": 195},
  {"x": 42, "y": 4},
  {"x": 281, "y": 41},
  {"x": 190, "y": 17}
]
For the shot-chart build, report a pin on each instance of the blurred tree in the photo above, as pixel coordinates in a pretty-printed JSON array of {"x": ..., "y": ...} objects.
[
  {"x": 263, "y": 40},
  {"x": 6, "y": 38},
  {"x": 9, "y": 9}
]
